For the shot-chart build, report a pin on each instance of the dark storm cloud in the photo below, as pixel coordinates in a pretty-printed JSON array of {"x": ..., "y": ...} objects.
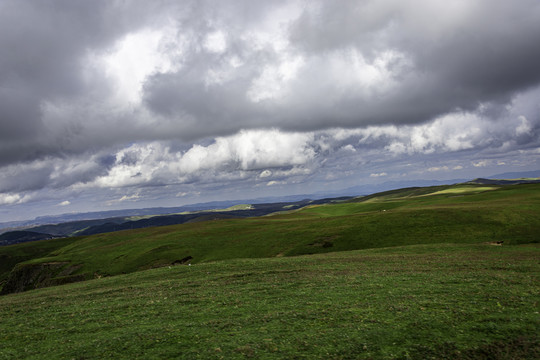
[
  {"x": 485, "y": 52},
  {"x": 208, "y": 109},
  {"x": 20, "y": 114},
  {"x": 115, "y": 94},
  {"x": 435, "y": 57},
  {"x": 361, "y": 63},
  {"x": 43, "y": 46},
  {"x": 28, "y": 178},
  {"x": 54, "y": 173}
]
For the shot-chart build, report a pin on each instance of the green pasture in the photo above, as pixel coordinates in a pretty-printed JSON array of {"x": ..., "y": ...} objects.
[
  {"x": 444, "y": 301},
  {"x": 406, "y": 217}
]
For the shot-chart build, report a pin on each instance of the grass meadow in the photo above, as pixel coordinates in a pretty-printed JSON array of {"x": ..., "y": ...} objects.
[
  {"x": 397, "y": 218},
  {"x": 415, "y": 302},
  {"x": 408, "y": 274}
]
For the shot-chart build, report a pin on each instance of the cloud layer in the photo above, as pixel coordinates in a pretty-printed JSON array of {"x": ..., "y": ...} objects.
[{"x": 106, "y": 95}]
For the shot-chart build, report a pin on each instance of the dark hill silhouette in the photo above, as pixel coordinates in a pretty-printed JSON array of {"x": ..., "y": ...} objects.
[
  {"x": 482, "y": 181},
  {"x": 16, "y": 237},
  {"x": 163, "y": 220}
]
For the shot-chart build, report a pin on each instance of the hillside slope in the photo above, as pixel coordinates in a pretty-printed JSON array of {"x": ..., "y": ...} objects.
[
  {"x": 417, "y": 302},
  {"x": 14, "y": 254},
  {"x": 465, "y": 213}
]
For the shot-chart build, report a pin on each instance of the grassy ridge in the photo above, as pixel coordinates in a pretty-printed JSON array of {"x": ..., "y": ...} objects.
[
  {"x": 420, "y": 302},
  {"x": 447, "y": 214},
  {"x": 14, "y": 254}
]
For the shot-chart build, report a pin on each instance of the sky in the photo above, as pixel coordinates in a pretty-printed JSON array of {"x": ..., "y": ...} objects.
[{"x": 111, "y": 104}]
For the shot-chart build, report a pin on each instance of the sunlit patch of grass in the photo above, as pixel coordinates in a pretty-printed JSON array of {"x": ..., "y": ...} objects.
[{"x": 464, "y": 190}]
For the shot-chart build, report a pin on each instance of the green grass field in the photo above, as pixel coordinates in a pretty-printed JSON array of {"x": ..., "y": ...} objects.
[
  {"x": 415, "y": 302},
  {"x": 405, "y": 274},
  {"x": 443, "y": 214}
]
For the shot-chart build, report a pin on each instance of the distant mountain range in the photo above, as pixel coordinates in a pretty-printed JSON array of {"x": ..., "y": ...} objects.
[
  {"x": 98, "y": 226},
  {"x": 367, "y": 189},
  {"x": 517, "y": 175},
  {"x": 98, "y": 216},
  {"x": 502, "y": 181},
  {"x": 14, "y": 237},
  {"x": 114, "y": 220}
]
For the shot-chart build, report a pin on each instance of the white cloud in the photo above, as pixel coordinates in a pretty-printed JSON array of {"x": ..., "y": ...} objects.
[
  {"x": 349, "y": 148},
  {"x": 438, "y": 168},
  {"x": 129, "y": 197},
  {"x": 8, "y": 199},
  {"x": 452, "y": 132},
  {"x": 135, "y": 57},
  {"x": 16, "y": 198},
  {"x": 275, "y": 182},
  {"x": 265, "y": 173},
  {"x": 253, "y": 155},
  {"x": 274, "y": 81},
  {"x": 188, "y": 193},
  {"x": 481, "y": 163},
  {"x": 64, "y": 203},
  {"x": 524, "y": 127},
  {"x": 225, "y": 158},
  {"x": 216, "y": 42},
  {"x": 124, "y": 198}
]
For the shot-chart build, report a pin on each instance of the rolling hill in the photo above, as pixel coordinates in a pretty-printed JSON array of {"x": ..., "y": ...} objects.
[
  {"x": 463, "y": 213},
  {"x": 415, "y": 273},
  {"x": 105, "y": 225}
]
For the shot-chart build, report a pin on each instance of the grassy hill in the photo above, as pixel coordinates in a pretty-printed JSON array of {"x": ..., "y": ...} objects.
[
  {"x": 404, "y": 274},
  {"x": 452, "y": 301},
  {"x": 149, "y": 218},
  {"x": 464, "y": 213}
]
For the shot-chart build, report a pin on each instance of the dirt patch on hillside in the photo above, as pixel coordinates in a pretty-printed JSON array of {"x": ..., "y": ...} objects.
[{"x": 494, "y": 243}]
